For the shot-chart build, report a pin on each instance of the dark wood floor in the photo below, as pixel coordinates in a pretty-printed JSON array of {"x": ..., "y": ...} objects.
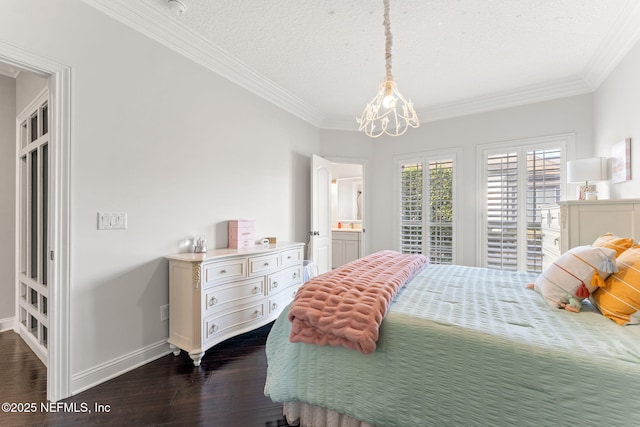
[{"x": 226, "y": 390}]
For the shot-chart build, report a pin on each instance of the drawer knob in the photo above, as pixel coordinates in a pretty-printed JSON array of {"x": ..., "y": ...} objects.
[
  {"x": 257, "y": 314},
  {"x": 223, "y": 271},
  {"x": 294, "y": 276},
  {"x": 266, "y": 264},
  {"x": 255, "y": 290},
  {"x": 213, "y": 301},
  {"x": 213, "y": 329},
  {"x": 274, "y": 306},
  {"x": 289, "y": 257},
  {"x": 275, "y": 284}
]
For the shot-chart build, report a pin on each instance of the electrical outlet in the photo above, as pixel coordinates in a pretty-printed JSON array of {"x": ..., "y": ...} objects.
[{"x": 164, "y": 312}]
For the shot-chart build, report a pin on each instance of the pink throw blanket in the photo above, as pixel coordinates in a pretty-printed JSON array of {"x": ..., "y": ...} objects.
[{"x": 346, "y": 306}]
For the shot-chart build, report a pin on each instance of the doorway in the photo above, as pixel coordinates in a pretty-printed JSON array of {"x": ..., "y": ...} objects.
[
  {"x": 56, "y": 250},
  {"x": 347, "y": 212},
  {"x": 337, "y": 232}
]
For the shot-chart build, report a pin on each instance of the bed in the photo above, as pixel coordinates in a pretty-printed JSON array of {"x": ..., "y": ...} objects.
[{"x": 465, "y": 346}]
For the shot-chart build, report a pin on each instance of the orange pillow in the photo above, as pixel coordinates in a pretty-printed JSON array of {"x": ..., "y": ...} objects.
[
  {"x": 619, "y": 298},
  {"x": 609, "y": 240}
]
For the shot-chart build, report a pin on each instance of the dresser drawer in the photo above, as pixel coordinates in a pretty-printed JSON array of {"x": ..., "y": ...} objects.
[
  {"x": 263, "y": 264},
  {"x": 280, "y": 300},
  {"x": 215, "y": 297},
  {"x": 217, "y": 272},
  {"x": 550, "y": 218},
  {"x": 217, "y": 325},
  {"x": 293, "y": 256},
  {"x": 282, "y": 279}
]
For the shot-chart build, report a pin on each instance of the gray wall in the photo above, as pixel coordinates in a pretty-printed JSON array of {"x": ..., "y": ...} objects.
[
  {"x": 7, "y": 196},
  {"x": 617, "y": 116}
]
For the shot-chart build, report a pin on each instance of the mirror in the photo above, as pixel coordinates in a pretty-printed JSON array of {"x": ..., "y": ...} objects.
[{"x": 349, "y": 199}]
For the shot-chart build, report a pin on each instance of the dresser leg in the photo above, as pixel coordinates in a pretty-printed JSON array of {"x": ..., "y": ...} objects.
[
  {"x": 176, "y": 350},
  {"x": 196, "y": 357}
]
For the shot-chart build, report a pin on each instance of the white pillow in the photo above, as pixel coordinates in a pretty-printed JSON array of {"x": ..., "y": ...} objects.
[{"x": 575, "y": 275}]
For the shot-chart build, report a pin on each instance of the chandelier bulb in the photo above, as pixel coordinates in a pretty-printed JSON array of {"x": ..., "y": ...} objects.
[{"x": 389, "y": 101}]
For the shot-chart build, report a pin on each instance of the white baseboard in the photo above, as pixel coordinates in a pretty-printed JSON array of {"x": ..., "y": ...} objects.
[
  {"x": 118, "y": 366},
  {"x": 6, "y": 324}
]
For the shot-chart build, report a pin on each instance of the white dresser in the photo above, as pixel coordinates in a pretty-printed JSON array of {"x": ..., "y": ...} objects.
[
  {"x": 580, "y": 222},
  {"x": 226, "y": 292}
]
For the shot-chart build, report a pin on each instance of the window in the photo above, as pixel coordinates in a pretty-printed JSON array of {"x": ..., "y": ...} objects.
[
  {"x": 411, "y": 209},
  {"x": 519, "y": 178},
  {"x": 427, "y": 207}
]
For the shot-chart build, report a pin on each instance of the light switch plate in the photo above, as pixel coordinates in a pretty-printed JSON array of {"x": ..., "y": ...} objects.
[{"x": 112, "y": 221}]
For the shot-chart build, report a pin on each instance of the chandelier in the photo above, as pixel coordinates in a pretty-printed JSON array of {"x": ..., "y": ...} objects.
[{"x": 388, "y": 112}]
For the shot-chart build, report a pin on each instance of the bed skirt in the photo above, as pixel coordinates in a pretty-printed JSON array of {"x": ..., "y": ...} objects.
[{"x": 307, "y": 415}]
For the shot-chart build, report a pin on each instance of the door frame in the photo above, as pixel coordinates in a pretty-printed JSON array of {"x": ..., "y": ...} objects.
[{"x": 58, "y": 369}]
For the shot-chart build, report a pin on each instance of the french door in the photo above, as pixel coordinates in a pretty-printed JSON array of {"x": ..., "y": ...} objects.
[{"x": 33, "y": 217}]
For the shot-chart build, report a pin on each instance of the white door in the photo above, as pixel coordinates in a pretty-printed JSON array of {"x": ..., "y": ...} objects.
[
  {"x": 33, "y": 223},
  {"x": 320, "y": 240}
]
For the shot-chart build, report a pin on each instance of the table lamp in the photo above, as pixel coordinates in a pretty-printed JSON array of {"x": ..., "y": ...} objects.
[{"x": 585, "y": 170}]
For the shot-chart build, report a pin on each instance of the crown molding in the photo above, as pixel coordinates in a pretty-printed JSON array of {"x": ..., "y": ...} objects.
[
  {"x": 506, "y": 99},
  {"x": 614, "y": 47},
  {"x": 496, "y": 101},
  {"x": 171, "y": 33},
  {"x": 9, "y": 71}
]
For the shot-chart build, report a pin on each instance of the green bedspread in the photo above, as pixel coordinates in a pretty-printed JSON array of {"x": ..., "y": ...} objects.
[{"x": 469, "y": 346}]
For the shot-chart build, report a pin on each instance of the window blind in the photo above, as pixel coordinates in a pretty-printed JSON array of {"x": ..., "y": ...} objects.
[
  {"x": 502, "y": 211},
  {"x": 538, "y": 178},
  {"x": 411, "y": 225},
  {"x": 543, "y": 187},
  {"x": 441, "y": 211}
]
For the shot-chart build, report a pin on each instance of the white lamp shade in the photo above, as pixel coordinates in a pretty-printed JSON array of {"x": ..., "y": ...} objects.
[{"x": 584, "y": 170}]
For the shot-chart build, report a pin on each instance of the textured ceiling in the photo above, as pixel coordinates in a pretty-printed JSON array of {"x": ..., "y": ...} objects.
[{"x": 330, "y": 53}]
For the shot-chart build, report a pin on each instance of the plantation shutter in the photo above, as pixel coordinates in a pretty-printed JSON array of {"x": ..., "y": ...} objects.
[
  {"x": 441, "y": 211},
  {"x": 427, "y": 208},
  {"x": 519, "y": 181},
  {"x": 502, "y": 211},
  {"x": 411, "y": 226},
  {"x": 543, "y": 187}
]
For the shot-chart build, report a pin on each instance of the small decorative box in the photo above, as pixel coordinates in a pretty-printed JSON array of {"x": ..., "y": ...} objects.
[{"x": 242, "y": 234}]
